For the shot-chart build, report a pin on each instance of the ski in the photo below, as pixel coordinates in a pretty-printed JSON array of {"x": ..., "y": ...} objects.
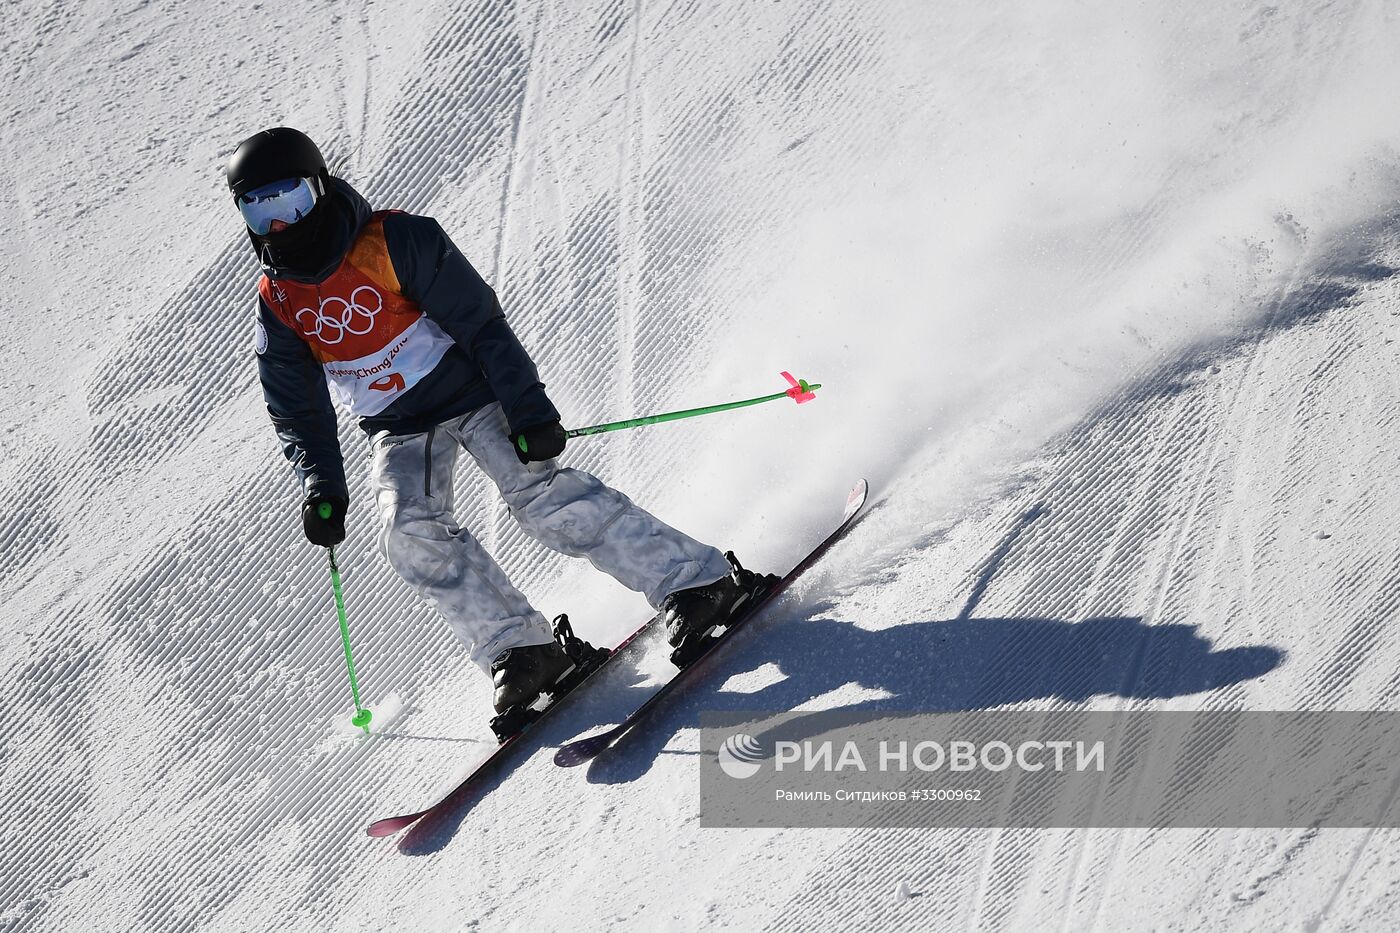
[
  {"x": 585, "y": 749},
  {"x": 495, "y": 763}
]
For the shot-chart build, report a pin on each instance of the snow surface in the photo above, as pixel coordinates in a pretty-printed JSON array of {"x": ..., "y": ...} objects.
[{"x": 1104, "y": 298}]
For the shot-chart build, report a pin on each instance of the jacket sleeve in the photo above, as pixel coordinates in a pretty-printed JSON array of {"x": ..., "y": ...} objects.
[
  {"x": 434, "y": 273},
  {"x": 294, "y": 387}
]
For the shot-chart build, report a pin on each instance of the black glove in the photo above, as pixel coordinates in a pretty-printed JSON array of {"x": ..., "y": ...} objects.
[
  {"x": 325, "y": 532},
  {"x": 541, "y": 442}
]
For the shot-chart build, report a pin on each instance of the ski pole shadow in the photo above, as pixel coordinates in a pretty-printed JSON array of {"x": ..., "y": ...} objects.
[
  {"x": 952, "y": 665},
  {"x": 454, "y": 740}
]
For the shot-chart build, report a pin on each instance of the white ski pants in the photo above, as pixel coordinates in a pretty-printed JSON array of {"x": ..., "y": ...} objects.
[{"x": 567, "y": 510}]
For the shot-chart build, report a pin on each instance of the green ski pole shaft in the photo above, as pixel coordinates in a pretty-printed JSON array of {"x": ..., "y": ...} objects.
[
  {"x": 678, "y": 415},
  {"x": 362, "y": 715}
]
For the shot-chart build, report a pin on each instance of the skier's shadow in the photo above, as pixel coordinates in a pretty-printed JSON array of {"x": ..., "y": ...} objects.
[
  {"x": 949, "y": 666},
  {"x": 965, "y": 663}
]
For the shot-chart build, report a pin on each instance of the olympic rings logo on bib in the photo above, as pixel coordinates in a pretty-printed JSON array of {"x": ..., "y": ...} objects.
[{"x": 337, "y": 317}]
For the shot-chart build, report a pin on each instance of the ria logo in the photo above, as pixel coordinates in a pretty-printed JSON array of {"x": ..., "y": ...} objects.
[{"x": 740, "y": 756}]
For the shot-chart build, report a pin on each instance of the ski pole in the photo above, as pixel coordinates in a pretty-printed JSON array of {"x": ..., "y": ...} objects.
[
  {"x": 801, "y": 391},
  {"x": 362, "y": 715}
]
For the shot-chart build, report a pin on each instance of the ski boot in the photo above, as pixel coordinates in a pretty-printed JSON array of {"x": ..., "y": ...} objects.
[
  {"x": 692, "y": 616},
  {"x": 532, "y": 678}
]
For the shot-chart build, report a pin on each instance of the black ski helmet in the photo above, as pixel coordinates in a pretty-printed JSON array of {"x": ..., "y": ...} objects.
[{"x": 272, "y": 155}]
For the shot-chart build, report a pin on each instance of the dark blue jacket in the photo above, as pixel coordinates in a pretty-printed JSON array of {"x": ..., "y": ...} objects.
[{"x": 487, "y": 363}]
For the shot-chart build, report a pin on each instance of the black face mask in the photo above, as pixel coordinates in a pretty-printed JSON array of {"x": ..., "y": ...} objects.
[{"x": 310, "y": 244}]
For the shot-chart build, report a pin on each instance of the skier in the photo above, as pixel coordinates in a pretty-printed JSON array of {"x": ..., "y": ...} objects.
[{"x": 381, "y": 307}]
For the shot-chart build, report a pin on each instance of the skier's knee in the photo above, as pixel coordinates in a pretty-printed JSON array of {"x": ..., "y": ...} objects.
[
  {"x": 571, "y": 514},
  {"x": 407, "y": 527},
  {"x": 421, "y": 551}
]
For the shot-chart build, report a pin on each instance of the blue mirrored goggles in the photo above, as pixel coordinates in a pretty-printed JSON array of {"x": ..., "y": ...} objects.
[{"x": 288, "y": 200}]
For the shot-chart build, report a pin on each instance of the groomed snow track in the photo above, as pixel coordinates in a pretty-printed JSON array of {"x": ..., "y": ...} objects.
[{"x": 1106, "y": 305}]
